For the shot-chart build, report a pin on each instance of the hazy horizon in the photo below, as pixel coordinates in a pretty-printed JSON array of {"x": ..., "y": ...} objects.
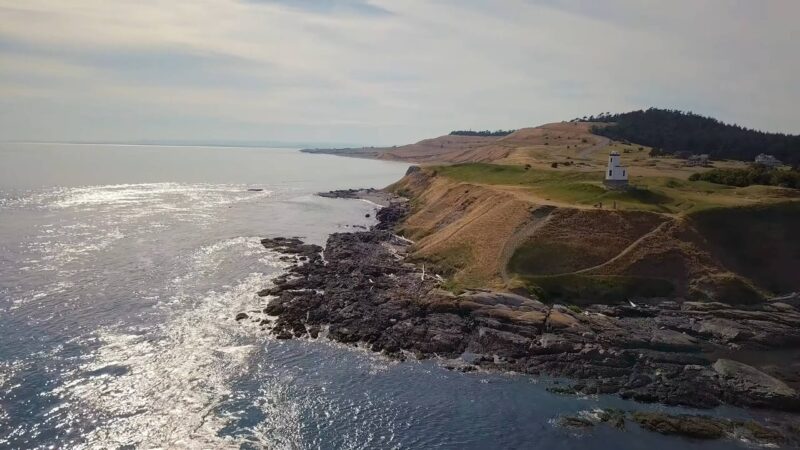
[{"x": 340, "y": 72}]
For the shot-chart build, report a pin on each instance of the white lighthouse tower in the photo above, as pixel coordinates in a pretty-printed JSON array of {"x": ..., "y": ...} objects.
[{"x": 616, "y": 174}]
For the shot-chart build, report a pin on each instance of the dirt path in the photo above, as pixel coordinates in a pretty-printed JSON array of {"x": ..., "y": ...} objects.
[
  {"x": 625, "y": 251},
  {"x": 544, "y": 214},
  {"x": 600, "y": 143}
]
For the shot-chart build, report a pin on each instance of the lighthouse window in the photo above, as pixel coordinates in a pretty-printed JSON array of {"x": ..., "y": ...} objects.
[
  {"x": 609, "y": 173},
  {"x": 623, "y": 173}
]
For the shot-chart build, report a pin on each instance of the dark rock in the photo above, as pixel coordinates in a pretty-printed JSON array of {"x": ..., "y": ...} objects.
[
  {"x": 274, "y": 309},
  {"x": 755, "y": 432},
  {"x": 698, "y": 427},
  {"x": 575, "y": 422},
  {"x": 563, "y": 390},
  {"x": 613, "y": 417},
  {"x": 753, "y": 387},
  {"x": 283, "y": 334},
  {"x": 241, "y": 316},
  {"x": 706, "y": 427}
]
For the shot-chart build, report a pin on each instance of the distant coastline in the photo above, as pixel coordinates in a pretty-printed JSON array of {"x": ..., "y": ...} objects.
[{"x": 185, "y": 143}]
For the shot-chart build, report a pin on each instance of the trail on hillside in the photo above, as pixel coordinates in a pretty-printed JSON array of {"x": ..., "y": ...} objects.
[
  {"x": 625, "y": 251},
  {"x": 516, "y": 240},
  {"x": 600, "y": 143}
]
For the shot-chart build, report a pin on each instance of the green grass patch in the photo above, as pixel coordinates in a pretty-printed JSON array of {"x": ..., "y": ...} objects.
[
  {"x": 565, "y": 185},
  {"x": 575, "y": 308},
  {"x": 655, "y": 194},
  {"x": 512, "y": 175},
  {"x": 584, "y": 290}
]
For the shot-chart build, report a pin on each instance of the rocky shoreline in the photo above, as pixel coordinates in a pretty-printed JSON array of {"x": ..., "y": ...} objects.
[{"x": 361, "y": 289}]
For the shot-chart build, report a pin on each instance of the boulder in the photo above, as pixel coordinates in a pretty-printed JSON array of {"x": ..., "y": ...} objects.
[
  {"x": 670, "y": 340},
  {"x": 724, "y": 330},
  {"x": 754, "y": 386},
  {"x": 553, "y": 343},
  {"x": 698, "y": 427},
  {"x": 575, "y": 422},
  {"x": 558, "y": 320}
]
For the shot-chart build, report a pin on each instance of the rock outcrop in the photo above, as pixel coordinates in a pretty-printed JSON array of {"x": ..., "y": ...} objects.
[
  {"x": 361, "y": 289},
  {"x": 748, "y": 382}
]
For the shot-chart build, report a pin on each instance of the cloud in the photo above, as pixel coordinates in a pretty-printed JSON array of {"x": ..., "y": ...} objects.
[
  {"x": 382, "y": 72},
  {"x": 330, "y": 6}
]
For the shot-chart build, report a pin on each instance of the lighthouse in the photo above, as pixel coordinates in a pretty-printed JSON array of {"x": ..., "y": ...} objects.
[{"x": 616, "y": 174}]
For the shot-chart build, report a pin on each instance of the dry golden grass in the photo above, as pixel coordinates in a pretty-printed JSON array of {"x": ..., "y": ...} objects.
[
  {"x": 464, "y": 228},
  {"x": 486, "y": 236}
]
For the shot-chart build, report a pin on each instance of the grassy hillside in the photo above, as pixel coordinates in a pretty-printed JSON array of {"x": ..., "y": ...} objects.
[
  {"x": 529, "y": 210},
  {"x": 486, "y": 225},
  {"x": 565, "y": 186}
]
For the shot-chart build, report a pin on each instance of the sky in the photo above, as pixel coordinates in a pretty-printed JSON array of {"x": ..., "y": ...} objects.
[{"x": 380, "y": 72}]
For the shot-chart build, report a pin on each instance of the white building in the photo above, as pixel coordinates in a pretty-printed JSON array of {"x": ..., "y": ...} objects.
[
  {"x": 698, "y": 160},
  {"x": 616, "y": 173},
  {"x": 767, "y": 160}
]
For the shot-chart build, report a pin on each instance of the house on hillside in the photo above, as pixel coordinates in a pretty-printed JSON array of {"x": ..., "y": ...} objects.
[
  {"x": 616, "y": 174},
  {"x": 768, "y": 160},
  {"x": 698, "y": 160}
]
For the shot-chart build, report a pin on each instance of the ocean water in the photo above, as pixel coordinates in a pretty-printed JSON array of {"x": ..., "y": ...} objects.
[{"x": 122, "y": 268}]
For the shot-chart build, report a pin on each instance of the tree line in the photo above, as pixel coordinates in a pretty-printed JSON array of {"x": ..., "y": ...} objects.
[
  {"x": 673, "y": 131},
  {"x": 756, "y": 174}
]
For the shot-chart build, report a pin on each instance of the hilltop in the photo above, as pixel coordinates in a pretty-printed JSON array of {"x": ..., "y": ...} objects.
[
  {"x": 528, "y": 210},
  {"x": 675, "y": 131},
  {"x": 669, "y": 132}
]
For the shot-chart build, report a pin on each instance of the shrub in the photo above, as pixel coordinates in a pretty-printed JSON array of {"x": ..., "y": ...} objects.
[
  {"x": 589, "y": 289},
  {"x": 755, "y": 174}
]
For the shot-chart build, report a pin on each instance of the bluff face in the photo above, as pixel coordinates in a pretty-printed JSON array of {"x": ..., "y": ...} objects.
[{"x": 480, "y": 236}]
